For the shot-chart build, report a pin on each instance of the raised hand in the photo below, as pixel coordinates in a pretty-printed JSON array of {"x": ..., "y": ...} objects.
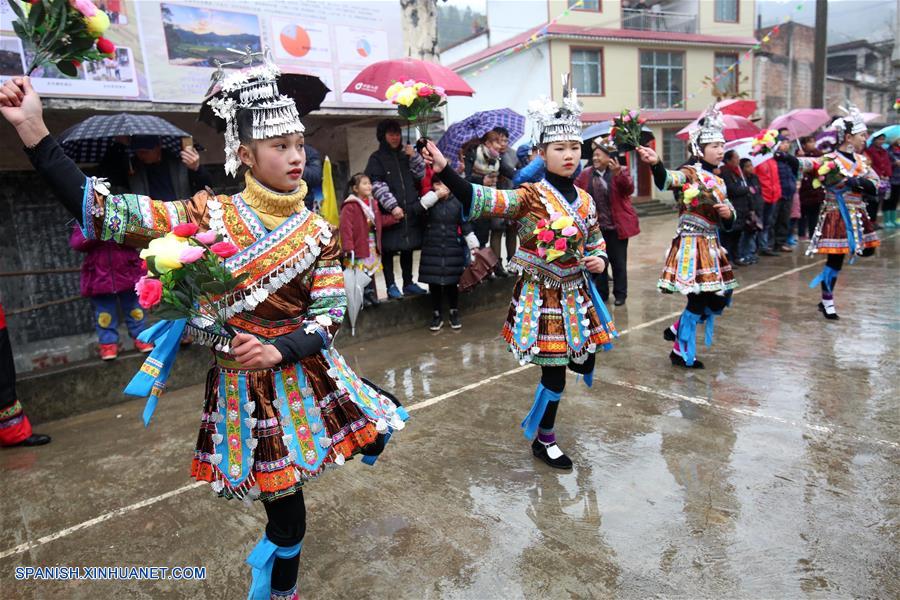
[
  {"x": 723, "y": 210},
  {"x": 191, "y": 158},
  {"x": 648, "y": 155},
  {"x": 434, "y": 157},
  {"x": 21, "y": 106}
]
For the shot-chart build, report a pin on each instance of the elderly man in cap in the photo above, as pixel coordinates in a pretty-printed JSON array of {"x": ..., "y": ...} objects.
[
  {"x": 148, "y": 171},
  {"x": 611, "y": 187}
]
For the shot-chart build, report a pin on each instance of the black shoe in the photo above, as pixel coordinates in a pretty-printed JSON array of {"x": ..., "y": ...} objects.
[
  {"x": 768, "y": 252},
  {"x": 499, "y": 271},
  {"x": 455, "y": 323},
  {"x": 742, "y": 262},
  {"x": 678, "y": 361},
  {"x": 668, "y": 334},
  {"x": 436, "y": 322},
  {"x": 540, "y": 450},
  {"x": 830, "y": 316},
  {"x": 35, "y": 439},
  {"x": 370, "y": 299},
  {"x": 619, "y": 302}
]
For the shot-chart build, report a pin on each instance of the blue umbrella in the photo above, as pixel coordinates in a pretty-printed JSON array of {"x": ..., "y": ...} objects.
[
  {"x": 891, "y": 133},
  {"x": 476, "y": 126}
]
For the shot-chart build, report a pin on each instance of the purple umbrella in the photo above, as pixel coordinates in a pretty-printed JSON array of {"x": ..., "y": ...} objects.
[
  {"x": 476, "y": 126},
  {"x": 801, "y": 121}
]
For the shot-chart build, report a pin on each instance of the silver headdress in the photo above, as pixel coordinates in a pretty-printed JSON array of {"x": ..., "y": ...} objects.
[
  {"x": 708, "y": 130},
  {"x": 256, "y": 89},
  {"x": 853, "y": 123},
  {"x": 555, "y": 123}
]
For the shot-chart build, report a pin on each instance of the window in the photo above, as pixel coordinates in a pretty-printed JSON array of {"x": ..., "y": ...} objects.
[
  {"x": 662, "y": 79},
  {"x": 726, "y": 11},
  {"x": 728, "y": 84},
  {"x": 585, "y": 5},
  {"x": 674, "y": 151},
  {"x": 587, "y": 71},
  {"x": 870, "y": 101}
]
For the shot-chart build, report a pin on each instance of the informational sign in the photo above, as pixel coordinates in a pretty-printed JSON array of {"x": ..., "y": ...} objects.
[{"x": 166, "y": 51}]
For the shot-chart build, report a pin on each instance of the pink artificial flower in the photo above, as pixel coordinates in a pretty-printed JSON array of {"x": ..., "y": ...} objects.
[
  {"x": 149, "y": 291},
  {"x": 85, "y": 7},
  {"x": 542, "y": 223},
  {"x": 206, "y": 237},
  {"x": 441, "y": 91},
  {"x": 545, "y": 236},
  {"x": 185, "y": 229},
  {"x": 626, "y": 119},
  {"x": 541, "y": 251},
  {"x": 695, "y": 203},
  {"x": 409, "y": 83},
  {"x": 224, "y": 249},
  {"x": 560, "y": 244},
  {"x": 191, "y": 254},
  {"x": 425, "y": 91},
  {"x": 570, "y": 231}
]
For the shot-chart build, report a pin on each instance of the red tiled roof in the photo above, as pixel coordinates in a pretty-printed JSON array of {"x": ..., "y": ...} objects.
[
  {"x": 560, "y": 30},
  {"x": 652, "y": 116}
]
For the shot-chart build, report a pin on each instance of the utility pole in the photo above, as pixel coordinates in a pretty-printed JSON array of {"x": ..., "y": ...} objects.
[{"x": 821, "y": 50}]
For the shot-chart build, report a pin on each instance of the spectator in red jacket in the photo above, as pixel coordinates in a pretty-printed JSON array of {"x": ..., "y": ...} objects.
[
  {"x": 611, "y": 187},
  {"x": 361, "y": 222},
  {"x": 15, "y": 429},
  {"x": 767, "y": 172},
  {"x": 883, "y": 166}
]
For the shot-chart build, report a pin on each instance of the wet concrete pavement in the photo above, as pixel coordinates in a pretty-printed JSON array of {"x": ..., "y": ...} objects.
[{"x": 774, "y": 473}]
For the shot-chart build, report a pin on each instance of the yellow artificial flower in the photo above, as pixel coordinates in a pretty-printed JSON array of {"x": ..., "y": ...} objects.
[
  {"x": 816, "y": 184},
  {"x": 97, "y": 24},
  {"x": 823, "y": 169},
  {"x": 562, "y": 223},
  {"x": 394, "y": 89},
  {"x": 166, "y": 252},
  {"x": 406, "y": 96},
  {"x": 691, "y": 193},
  {"x": 553, "y": 254},
  {"x": 418, "y": 85}
]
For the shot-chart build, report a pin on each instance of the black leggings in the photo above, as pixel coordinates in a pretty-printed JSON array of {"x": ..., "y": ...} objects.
[
  {"x": 890, "y": 203},
  {"x": 438, "y": 292},
  {"x": 406, "y": 266},
  {"x": 835, "y": 261},
  {"x": 286, "y": 527},
  {"x": 697, "y": 303},
  {"x": 554, "y": 379}
]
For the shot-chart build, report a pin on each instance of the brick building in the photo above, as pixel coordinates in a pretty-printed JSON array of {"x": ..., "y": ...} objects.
[
  {"x": 784, "y": 70},
  {"x": 861, "y": 72}
]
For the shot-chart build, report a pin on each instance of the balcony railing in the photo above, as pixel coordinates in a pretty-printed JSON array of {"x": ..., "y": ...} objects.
[{"x": 647, "y": 20}]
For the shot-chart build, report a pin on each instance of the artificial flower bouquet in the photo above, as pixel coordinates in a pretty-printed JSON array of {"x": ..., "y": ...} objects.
[
  {"x": 556, "y": 236},
  {"x": 627, "y": 130},
  {"x": 185, "y": 271},
  {"x": 693, "y": 194},
  {"x": 827, "y": 174},
  {"x": 62, "y": 33},
  {"x": 416, "y": 100},
  {"x": 764, "y": 142}
]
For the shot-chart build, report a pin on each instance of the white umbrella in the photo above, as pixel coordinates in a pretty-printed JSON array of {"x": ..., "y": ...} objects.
[
  {"x": 355, "y": 282},
  {"x": 743, "y": 147}
]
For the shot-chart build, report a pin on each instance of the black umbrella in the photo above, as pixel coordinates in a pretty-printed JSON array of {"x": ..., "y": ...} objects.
[
  {"x": 88, "y": 141},
  {"x": 307, "y": 91}
]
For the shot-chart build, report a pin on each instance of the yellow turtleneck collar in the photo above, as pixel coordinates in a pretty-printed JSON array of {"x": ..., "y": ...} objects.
[{"x": 273, "y": 208}]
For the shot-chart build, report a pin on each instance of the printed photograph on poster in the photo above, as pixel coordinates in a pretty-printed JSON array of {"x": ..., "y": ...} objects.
[
  {"x": 120, "y": 68},
  {"x": 11, "y": 60},
  {"x": 196, "y": 36},
  {"x": 114, "y": 9},
  {"x": 308, "y": 41},
  {"x": 357, "y": 46}
]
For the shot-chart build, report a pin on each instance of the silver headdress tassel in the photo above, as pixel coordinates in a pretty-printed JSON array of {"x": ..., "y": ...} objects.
[
  {"x": 256, "y": 89},
  {"x": 708, "y": 130},
  {"x": 555, "y": 123},
  {"x": 853, "y": 123}
]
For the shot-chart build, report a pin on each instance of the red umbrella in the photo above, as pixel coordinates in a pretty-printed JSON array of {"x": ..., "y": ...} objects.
[
  {"x": 375, "y": 79},
  {"x": 737, "y": 106},
  {"x": 801, "y": 121},
  {"x": 735, "y": 128}
]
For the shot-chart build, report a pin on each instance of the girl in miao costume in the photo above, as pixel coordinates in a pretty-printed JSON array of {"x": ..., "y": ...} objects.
[
  {"x": 844, "y": 227},
  {"x": 696, "y": 264},
  {"x": 281, "y": 404},
  {"x": 556, "y": 318}
]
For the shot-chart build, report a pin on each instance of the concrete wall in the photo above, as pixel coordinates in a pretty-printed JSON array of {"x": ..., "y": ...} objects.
[
  {"x": 743, "y": 28},
  {"x": 786, "y": 71}
]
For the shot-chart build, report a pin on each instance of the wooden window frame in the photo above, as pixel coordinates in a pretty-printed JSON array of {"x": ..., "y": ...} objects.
[
  {"x": 683, "y": 54},
  {"x": 736, "y": 72}
]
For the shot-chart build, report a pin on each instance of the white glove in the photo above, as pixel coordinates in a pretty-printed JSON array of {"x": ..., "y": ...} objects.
[
  {"x": 472, "y": 241},
  {"x": 428, "y": 200}
]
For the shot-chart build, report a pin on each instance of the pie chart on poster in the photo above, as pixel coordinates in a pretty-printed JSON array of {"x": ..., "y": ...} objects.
[
  {"x": 295, "y": 40},
  {"x": 363, "y": 47}
]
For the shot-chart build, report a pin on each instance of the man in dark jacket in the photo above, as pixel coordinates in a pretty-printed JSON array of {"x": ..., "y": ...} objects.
[
  {"x": 400, "y": 169},
  {"x": 811, "y": 198},
  {"x": 312, "y": 175},
  {"x": 739, "y": 194},
  {"x": 751, "y": 238},
  {"x": 788, "y": 168},
  {"x": 143, "y": 168}
]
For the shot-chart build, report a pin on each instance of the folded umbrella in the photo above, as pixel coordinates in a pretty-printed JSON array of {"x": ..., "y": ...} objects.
[
  {"x": 483, "y": 262},
  {"x": 88, "y": 141},
  {"x": 355, "y": 282}
]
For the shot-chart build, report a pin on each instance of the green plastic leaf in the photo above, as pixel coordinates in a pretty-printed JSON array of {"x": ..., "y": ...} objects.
[
  {"x": 20, "y": 15},
  {"x": 214, "y": 287},
  {"x": 67, "y": 68},
  {"x": 36, "y": 14},
  {"x": 151, "y": 265}
]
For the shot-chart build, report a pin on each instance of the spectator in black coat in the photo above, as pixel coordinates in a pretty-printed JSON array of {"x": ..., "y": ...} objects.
[
  {"x": 788, "y": 169},
  {"x": 312, "y": 175},
  {"x": 399, "y": 168},
  {"x": 739, "y": 194}
]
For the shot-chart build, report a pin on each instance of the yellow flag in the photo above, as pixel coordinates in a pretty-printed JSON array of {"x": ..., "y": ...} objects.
[{"x": 329, "y": 198}]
